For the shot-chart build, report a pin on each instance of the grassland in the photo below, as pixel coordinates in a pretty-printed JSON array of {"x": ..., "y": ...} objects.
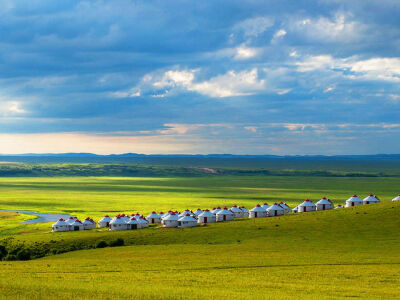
[{"x": 336, "y": 254}]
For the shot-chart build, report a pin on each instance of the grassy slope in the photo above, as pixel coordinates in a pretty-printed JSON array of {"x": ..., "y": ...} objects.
[{"x": 352, "y": 252}]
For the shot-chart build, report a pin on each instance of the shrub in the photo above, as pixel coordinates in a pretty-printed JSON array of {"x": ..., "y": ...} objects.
[
  {"x": 117, "y": 242},
  {"x": 102, "y": 244},
  {"x": 10, "y": 257},
  {"x": 23, "y": 254}
]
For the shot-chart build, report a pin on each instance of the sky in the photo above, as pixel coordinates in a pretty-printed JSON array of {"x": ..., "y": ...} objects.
[{"x": 283, "y": 77}]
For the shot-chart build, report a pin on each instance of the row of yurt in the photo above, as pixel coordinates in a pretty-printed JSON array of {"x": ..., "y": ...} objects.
[
  {"x": 126, "y": 223},
  {"x": 355, "y": 200},
  {"x": 73, "y": 224}
]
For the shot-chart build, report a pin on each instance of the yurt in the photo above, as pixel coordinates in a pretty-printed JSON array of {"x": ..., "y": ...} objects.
[
  {"x": 187, "y": 221},
  {"x": 396, "y": 198},
  {"x": 324, "y": 204},
  {"x": 225, "y": 215},
  {"x": 197, "y": 212},
  {"x": 105, "y": 221},
  {"x": 265, "y": 206},
  {"x": 118, "y": 224},
  {"x": 339, "y": 206},
  {"x": 245, "y": 211},
  {"x": 275, "y": 210},
  {"x": 171, "y": 220},
  {"x": 307, "y": 206},
  {"x": 153, "y": 218},
  {"x": 161, "y": 214},
  {"x": 237, "y": 211},
  {"x": 207, "y": 217},
  {"x": 133, "y": 224},
  {"x": 87, "y": 224},
  {"x": 213, "y": 210},
  {"x": 370, "y": 199},
  {"x": 93, "y": 223},
  {"x": 285, "y": 207},
  {"x": 76, "y": 225},
  {"x": 353, "y": 201},
  {"x": 257, "y": 212},
  {"x": 296, "y": 209},
  {"x": 166, "y": 215},
  {"x": 60, "y": 225}
]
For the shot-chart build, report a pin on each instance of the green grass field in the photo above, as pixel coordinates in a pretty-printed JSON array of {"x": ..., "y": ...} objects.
[{"x": 352, "y": 252}]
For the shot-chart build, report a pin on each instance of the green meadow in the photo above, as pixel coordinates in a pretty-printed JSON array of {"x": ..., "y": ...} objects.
[{"x": 338, "y": 254}]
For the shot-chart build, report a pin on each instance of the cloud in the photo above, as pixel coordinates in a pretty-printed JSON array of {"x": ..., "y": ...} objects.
[
  {"x": 231, "y": 84},
  {"x": 253, "y": 27}
]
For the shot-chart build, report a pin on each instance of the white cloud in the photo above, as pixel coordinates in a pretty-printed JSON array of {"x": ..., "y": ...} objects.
[
  {"x": 11, "y": 108},
  {"x": 312, "y": 63},
  {"x": 251, "y": 128},
  {"x": 254, "y": 26},
  {"x": 339, "y": 28},
  {"x": 379, "y": 68},
  {"x": 243, "y": 52},
  {"x": 230, "y": 84}
]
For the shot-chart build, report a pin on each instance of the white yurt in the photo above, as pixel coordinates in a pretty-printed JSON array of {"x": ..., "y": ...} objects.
[
  {"x": 171, "y": 220},
  {"x": 133, "y": 224},
  {"x": 275, "y": 210},
  {"x": 105, "y": 221},
  {"x": 353, "y": 201},
  {"x": 60, "y": 225},
  {"x": 213, "y": 210},
  {"x": 207, "y": 217},
  {"x": 307, "y": 206},
  {"x": 339, "y": 206},
  {"x": 153, "y": 218},
  {"x": 257, "y": 212},
  {"x": 237, "y": 211},
  {"x": 225, "y": 215},
  {"x": 296, "y": 209},
  {"x": 245, "y": 211},
  {"x": 197, "y": 212},
  {"x": 161, "y": 214},
  {"x": 187, "y": 221},
  {"x": 126, "y": 218},
  {"x": 166, "y": 214},
  {"x": 87, "y": 224},
  {"x": 76, "y": 225},
  {"x": 370, "y": 199},
  {"x": 118, "y": 224},
  {"x": 396, "y": 198},
  {"x": 265, "y": 206},
  {"x": 324, "y": 204},
  {"x": 285, "y": 207}
]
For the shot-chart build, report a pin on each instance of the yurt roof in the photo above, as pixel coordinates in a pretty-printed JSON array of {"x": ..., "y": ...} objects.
[
  {"x": 224, "y": 211},
  {"x": 258, "y": 208},
  {"x": 206, "y": 213},
  {"x": 235, "y": 209},
  {"x": 198, "y": 211},
  {"x": 77, "y": 222},
  {"x": 275, "y": 206},
  {"x": 60, "y": 222},
  {"x": 244, "y": 209},
  {"x": 133, "y": 221},
  {"x": 87, "y": 222},
  {"x": 354, "y": 198},
  {"x": 307, "y": 202},
  {"x": 397, "y": 198},
  {"x": 324, "y": 200},
  {"x": 119, "y": 220},
  {"x": 105, "y": 219},
  {"x": 153, "y": 215},
  {"x": 172, "y": 217},
  {"x": 187, "y": 218},
  {"x": 370, "y": 197}
]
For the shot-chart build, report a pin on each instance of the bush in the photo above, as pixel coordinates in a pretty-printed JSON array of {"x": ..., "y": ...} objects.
[
  {"x": 23, "y": 254},
  {"x": 102, "y": 244},
  {"x": 117, "y": 242},
  {"x": 10, "y": 257},
  {"x": 3, "y": 251}
]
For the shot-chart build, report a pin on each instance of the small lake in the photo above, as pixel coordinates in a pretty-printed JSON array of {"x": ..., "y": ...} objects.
[{"x": 41, "y": 217}]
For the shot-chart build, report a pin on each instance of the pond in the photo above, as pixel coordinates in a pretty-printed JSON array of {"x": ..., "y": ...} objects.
[{"x": 41, "y": 217}]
